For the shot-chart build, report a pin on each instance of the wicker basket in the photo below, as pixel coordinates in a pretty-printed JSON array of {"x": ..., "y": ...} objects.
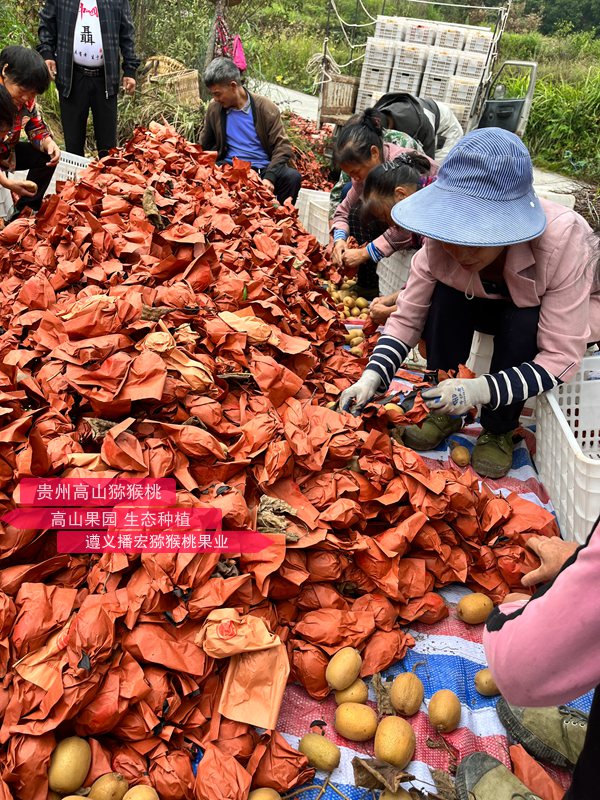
[
  {"x": 161, "y": 65},
  {"x": 182, "y": 85}
]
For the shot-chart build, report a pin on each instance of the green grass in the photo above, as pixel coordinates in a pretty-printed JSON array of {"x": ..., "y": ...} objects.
[{"x": 563, "y": 127}]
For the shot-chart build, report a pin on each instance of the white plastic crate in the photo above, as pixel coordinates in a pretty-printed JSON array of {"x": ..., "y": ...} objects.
[
  {"x": 318, "y": 222},
  {"x": 479, "y": 41},
  {"x": 313, "y": 213},
  {"x": 435, "y": 87},
  {"x": 568, "y": 449},
  {"x": 470, "y": 65},
  {"x": 6, "y": 202},
  {"x": 405, "y": 81},
  {"x": 420, "y": 31},
  {"x": 441, "y": 62},
  {"x": 390, "y": 28},
  {"x": 462, "y": 91},
  {"x": 67, "y": 169},
  {"x": 380, "y": 53},
  {"x": 367, "y": 98},
  {"x": 411, "y": 57},
  {"x": 450, "y": 36},
  {"x": 393, "y": 271},
  {"x": 375, "y": 79},
  {"x": 462, "y": 114},
  {"x": 306, "y": 196}
]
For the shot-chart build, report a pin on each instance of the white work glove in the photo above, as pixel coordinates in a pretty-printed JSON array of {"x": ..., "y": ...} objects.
[
  {"x": 355, "y": 397},
  {"x": 457, "y": 395}
]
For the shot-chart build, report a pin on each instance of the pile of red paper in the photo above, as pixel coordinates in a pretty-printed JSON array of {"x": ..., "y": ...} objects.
[{"x": 163, "y": 317}]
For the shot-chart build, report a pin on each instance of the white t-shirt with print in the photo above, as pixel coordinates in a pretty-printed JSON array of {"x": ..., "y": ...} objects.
[{"x": 87, "y": 45}]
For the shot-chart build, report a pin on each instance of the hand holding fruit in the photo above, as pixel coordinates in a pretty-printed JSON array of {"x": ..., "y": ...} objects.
[
  {"x": 354, "y": 258},
  {"x": 21, "y": 188},
  {"x": 382, "y": 307}
]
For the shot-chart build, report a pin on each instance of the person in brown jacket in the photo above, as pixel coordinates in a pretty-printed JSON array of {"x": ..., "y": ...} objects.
[{"x": 248, "y": 126}]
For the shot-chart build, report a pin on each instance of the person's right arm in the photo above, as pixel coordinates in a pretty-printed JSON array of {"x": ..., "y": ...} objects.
[
  {"x": 547, "y": 651},
  {"x": 47, "y": 33}
]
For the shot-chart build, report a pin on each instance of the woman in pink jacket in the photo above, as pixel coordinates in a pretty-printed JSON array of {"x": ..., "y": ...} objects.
[
  {"x": 359, "y": 149},
  {"x": 498, "y": 260}
]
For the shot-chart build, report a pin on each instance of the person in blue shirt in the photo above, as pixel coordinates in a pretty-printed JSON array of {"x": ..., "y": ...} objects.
[{"x": 243, "y": 125}]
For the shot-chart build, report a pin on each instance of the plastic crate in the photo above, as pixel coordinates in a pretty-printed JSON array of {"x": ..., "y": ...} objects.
[
  {"x": 462, "y": 114},
  {"x": 405, "y": 81},
  {"x": 6, "y": 202},
  {"x": 375, "y": 79},
  {"x": 435, "y": 87},
  {"x": 441, "y": 62},
  {"x": 313, "y": 213},
  {"x": 411, "y": 57},
  {"x": 471, "y": 65},
  {"x": 317, "y": 222},
  {"x": 462, "y": 91},
  {"x": 380, "y": 53},
  {"x": 393, "y": 271},
  {"x": 479, "y": 41},
  {"x": 568, "y": 449},
  {"x": 68, "y": 169},
  {"x": 420, "y": 31},
  {"x": 367, "y": 99},
  {"x": 390, "y": 28},
  {"x": 306, "y": 196},
  {"x": 450, "y": 37}
]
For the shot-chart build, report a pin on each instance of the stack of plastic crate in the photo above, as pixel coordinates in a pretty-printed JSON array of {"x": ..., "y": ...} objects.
[
  {"x": 408, "y": 67},
  {"x": 376, "y": 71},
  {"x": 390, "y": 29},
  {"x": 440, "y": 67}
]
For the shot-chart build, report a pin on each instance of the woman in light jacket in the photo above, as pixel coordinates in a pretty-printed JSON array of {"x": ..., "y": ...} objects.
[{"x": 499, "y": 260}]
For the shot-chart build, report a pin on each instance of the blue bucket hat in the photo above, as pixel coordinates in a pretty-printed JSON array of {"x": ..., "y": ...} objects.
[{"x": 483, "y": 195}]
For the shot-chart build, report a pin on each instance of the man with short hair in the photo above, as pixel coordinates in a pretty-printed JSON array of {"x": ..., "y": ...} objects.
[
  {"x": 80, "y": 40},
  {"x": 248, "y": 126}
]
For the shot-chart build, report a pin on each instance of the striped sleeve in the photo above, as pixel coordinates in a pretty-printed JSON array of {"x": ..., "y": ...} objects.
[
  {"x": 517, "y": 384},
  {"x": 338, "y": 234},
  {"x": 387, "y": 357},
  {"x": 374, "y": 253}
]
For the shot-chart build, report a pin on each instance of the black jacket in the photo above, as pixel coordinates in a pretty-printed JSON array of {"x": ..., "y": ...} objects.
[
  {"x": 57, "y": 30},
  {"x": 409, "y": 117}
]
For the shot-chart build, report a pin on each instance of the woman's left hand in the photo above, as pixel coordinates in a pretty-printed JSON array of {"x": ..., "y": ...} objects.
[
  {"x": 354, "y": 258},
  {"x": 457, "y": 395},
  {"x": 50, "y": 147}
]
